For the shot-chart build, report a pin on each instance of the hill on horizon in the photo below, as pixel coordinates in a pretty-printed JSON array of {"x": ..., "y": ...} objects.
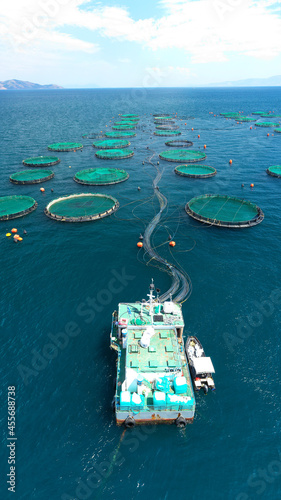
[{"x": 22, "y": 85}]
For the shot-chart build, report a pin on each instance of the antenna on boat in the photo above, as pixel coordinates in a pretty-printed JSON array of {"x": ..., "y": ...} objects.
[{"x": 151, "y": 297}]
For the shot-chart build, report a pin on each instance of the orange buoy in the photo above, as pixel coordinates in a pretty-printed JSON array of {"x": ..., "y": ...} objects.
[
  {"x": 69, "y": 166},
  {"x": 230, "y": 161},
  {"x": 205, "y": 146},
  {"x": 198, "y": 136},
  {"x": 14, "y": 230},
  {"x": 140, "y": 244},
  {"x": 42, "y": 190},
  {"x": 267, "y": 135},
  {"x": 252, "y": 185},
  {"x": 16, "y": 237},
  {"x": 19, "y": 238},
  {"x": 192, "y": 129},
  {"x": 185, "y": 123},
  {"x": 251, "y": 128},
  {"x": 172, "y": 243}
]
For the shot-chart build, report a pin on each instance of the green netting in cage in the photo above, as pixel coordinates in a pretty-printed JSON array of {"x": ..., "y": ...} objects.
[
  {"x": 130, "y": 116},
  {"x": 111, "y": 144},
  {"x": 41, "y": 161},
  {"x": 125, "y": 123},
  {"x": 182, "y": 155},
  {"x": 12, "y": 207},
  {"x": 265, "y": 124},
  {"x": 259, "y": 113},
  {"x": 167, "y": 133},
  {"x": 230, "y": 115},
  {"x": 246, "y": 119},
  {"x": 81, "y": 207},
  {"x": 224, "y": 211},
  {"x": 131, "y": 120},
  {"x": 120, "y": 134},
  {"x": 31, "y": 176},
  {"x": 101, "y": 176},
  {"x": 116, "y": 154},
  {"x": 196, "y": 171},
  {"x": 275, "y": 171},
  {"x": 278, "y": 129},
  {"x": 65, "y": 146},
  {"x": 123, "y": 127},
  {"x": 270, "y": 115}
]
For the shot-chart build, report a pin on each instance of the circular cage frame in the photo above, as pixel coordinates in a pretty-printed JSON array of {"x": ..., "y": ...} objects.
[
  {"x": 89, "y": 183},
  {"x": 212, "y": 171},
  {"x": 46, "y": 178},
  {"x": 55, "y": 160},
  {"x": 20, "y": 213},
  {"x": 64, "y": 147},
  {"x": 126, "y": 153},
  {"x": 201, "y": 156},
  {"x": 86, "y": 218},
  {"x": 226, "y": 224}
]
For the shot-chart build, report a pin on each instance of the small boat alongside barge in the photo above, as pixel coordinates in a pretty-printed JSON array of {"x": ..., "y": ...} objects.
[{"x": 201, "y": 366}]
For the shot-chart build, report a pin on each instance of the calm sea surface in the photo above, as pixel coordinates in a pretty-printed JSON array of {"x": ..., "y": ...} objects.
[{"x": 56, "y": 288}]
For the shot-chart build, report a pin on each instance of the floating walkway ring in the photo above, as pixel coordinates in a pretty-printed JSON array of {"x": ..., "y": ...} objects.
[
  {"x": 196, "y": 171},
  {"x": 224, "y": 211},
  {"x": 179, "y": 143},
  {"x": 41, "y": 161},
  {"x": 81, "y": 207},
  {"x": 65, "y": 146},
  {"x": 183, "y": 155},
  {"x": 12, "y": 207},
  {"x": 101, "y": 176},
  {"x": 31, "y": 176},
  {"x": 116, "y": 154},
  {"x": 275, "y": 171}
]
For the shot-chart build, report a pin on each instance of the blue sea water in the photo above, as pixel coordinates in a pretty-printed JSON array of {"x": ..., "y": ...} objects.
[{"x": 58, "y": 284}]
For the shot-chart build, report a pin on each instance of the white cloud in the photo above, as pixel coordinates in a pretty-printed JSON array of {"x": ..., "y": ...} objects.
[{"x": 206, "y": 30}]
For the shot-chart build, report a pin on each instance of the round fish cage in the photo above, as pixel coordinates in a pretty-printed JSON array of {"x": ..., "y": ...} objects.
[
  {"x": 167, "y": 133},
  {"x": 266, "y": 124},
  {"x": 261, "y": 113},
  {"x": 120, "y": 135},
  {"x": 101, "y": 176},
  {"x": 196, "y": 171},
  {"x": 183, "y": 155},
  {"x": 123, "y": 127},
  {"x": 278, "y": 130},
  {"x": 131, "y": 120},
  {"x": 41, "y": 161},
  {"x": 163, "y": 118},
  {"x": 224, "y": 211},
  {"x": 116, "y": 154},
  {"x": 126, "y": 123},
  {"x": 31, "y": 176},
  {"x": 160, "y": 115},
  {"x": 167, "y": 127},
  {"x": 270, "y": 115},
  {"x": 81, "y": 207},
  {"x": 275, "y": 171},
  {"x": 12, "y": 207},
  {"x": 231, "y": 115},
  {"x": 130, "y": 116},
  {"x": 65, "y": 146},
  {"x": 246, "y": 119},
  {"x": 178, "y": 143},
  {"x": 111, "y": 144}
]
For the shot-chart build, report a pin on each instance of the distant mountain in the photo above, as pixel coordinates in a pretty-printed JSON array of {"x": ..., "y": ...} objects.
[
  {"x": 273, "y": 81},
  {"x": 21, "y": 85}
]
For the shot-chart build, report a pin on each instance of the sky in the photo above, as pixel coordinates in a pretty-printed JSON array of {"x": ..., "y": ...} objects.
[{"x": 139, "y": 43}]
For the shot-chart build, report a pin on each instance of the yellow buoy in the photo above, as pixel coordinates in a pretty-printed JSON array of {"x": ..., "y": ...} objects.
[{"x": 8, "y": 234}]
